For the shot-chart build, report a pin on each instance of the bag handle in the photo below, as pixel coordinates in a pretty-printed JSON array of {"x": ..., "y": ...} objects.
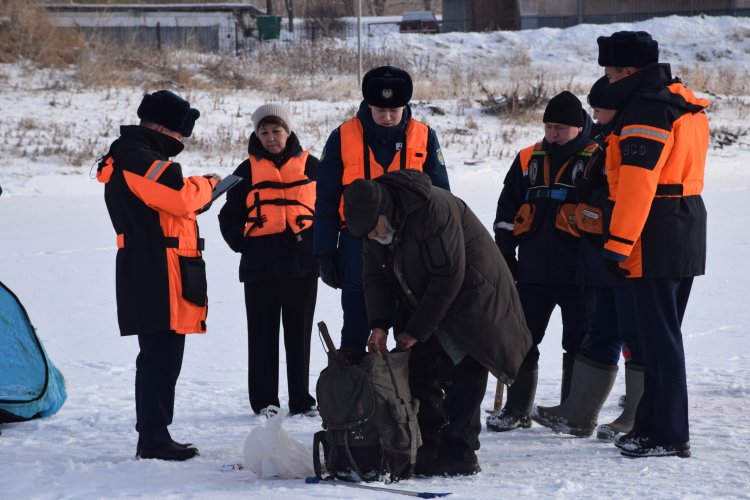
[
  {"x": 328, "y": 344},
  {"x": 327, "y": 341}
]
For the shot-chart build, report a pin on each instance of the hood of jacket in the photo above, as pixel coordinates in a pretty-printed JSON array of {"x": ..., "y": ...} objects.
[{"x": 410, "y": 189}]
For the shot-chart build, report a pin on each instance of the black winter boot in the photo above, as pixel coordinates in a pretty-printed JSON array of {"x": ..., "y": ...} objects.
[
  {"x": 517, "y": 410},
  {"x": 567, "y": 375},
  {"x": 589, "y": 388}
]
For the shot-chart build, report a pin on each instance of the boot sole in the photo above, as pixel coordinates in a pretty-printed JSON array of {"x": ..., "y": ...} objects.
[
  {"x": 563, "y": 428},
  {"x": 656, "y": 453},
  {"x": 521, "y": 425}
]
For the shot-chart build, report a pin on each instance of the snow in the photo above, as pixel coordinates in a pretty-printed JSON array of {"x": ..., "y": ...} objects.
[{"x": 58, "y": 249}]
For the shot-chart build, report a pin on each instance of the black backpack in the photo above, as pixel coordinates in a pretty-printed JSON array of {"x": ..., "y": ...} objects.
[{"x": 369, "y": 417}]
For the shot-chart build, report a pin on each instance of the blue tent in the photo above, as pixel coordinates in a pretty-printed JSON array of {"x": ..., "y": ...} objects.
[{"x": 30, "y": 385}]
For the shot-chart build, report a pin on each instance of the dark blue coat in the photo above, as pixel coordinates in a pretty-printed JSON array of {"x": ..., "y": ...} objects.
[{"x": 327, "y": 236}]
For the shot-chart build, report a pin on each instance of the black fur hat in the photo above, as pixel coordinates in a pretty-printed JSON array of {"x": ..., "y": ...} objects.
[
  {"x": 387, "y": 87},
  {"x": 628, "y": 48},
  {"x": 564, "y": 108},
  {"x": 170, "y": 110}
]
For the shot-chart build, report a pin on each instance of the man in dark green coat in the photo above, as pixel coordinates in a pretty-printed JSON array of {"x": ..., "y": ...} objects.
[{"x": 433, "y": 273}]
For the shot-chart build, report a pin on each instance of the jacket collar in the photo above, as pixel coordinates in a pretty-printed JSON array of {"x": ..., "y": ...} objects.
[{"x": 162, "y": 143}]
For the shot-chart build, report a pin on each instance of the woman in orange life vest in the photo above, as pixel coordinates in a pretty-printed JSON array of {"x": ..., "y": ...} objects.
[{"x": 268, "y": 219}]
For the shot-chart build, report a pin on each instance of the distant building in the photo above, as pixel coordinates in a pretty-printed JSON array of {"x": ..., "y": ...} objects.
[
  {"x": 218, "y": 27},
  {"x": 483, "y": 15}
]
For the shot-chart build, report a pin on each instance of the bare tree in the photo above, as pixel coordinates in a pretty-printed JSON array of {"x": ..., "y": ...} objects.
[
  {"x": 290, "y": 12},
  {"x": 325, "y": 15},
  {"x": 427, "y": 4},
  {"x": 378, "y": 7}
]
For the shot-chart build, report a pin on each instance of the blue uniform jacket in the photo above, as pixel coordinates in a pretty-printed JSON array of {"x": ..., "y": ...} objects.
[{"x": 327, "y": 236}]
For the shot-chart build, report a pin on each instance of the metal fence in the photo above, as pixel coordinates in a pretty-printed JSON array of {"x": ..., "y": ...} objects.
[{"x": 564, "y": 13}]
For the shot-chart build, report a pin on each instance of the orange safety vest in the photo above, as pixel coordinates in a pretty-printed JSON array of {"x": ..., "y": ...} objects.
[
  {"x": 359, "y": 161},
  {"x": 279, "y": 197}
]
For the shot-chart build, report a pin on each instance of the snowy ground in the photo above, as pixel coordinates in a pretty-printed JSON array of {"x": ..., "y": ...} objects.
[{"x": 57, "y": 255}]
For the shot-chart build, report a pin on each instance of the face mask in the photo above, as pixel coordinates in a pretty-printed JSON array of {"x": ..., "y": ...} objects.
[{"x": 386, "y": 239}]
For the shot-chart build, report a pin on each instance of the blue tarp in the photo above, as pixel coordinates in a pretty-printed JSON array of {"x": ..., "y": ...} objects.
[{"x": 30, "y": 385}]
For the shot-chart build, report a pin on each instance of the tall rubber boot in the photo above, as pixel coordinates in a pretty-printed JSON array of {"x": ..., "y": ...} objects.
[
  {"x": 567, "y": 375},
  {"x": 633, "y": 392},
  {"x": 589, "y": 388},
  {"x": 517, "y": 410}
]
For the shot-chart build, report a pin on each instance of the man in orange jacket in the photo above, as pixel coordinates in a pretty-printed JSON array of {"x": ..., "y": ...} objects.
[
  {"x": 161, "y": 275},
  {"x": 657, "y": 233}
]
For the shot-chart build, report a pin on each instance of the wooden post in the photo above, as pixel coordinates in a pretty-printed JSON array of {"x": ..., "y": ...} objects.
[{"x": 499, "y": 391}]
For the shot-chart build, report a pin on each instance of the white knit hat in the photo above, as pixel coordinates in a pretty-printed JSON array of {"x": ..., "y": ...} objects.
[{"x": 270, "y": 109}]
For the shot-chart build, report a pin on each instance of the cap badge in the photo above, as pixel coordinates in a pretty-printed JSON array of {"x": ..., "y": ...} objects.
[{"x": 387, "y": 93}]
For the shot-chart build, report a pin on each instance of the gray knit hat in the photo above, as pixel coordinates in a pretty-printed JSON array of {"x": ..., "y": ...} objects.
[{"x": 271, "y": 109}]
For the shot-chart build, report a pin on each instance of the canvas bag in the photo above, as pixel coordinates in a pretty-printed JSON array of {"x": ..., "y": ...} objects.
[{"x": 369, "y": 417}]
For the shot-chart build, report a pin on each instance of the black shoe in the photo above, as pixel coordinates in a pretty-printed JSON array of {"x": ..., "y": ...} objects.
[
  {"x": 172, "y": 451},
  {"x": 446, "y": 467},
  {"x": 628, "y": 439},
  {"x": 647, "y": 447},
  {"x": 181, "y": 445},
  {"x": 506, "y": 421},
  {"x": 309, "y": 412}
]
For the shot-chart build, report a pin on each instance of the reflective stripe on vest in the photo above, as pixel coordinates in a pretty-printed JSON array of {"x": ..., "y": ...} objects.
[
  {"x": 412, "y": 154},
  {"x": 279, "y": 197}
]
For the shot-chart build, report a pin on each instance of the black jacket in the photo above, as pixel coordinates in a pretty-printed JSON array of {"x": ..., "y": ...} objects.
[{"x": 547, "y": 256}]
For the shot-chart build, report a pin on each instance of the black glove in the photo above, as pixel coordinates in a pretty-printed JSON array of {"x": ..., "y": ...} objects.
[
  {"x": 512, "y": 265},
  {"x": 615, "y": 269},
  {"x": 329, "y": 269}
]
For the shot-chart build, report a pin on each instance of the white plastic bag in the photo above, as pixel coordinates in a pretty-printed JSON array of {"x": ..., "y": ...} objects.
[{"x": 271, "y": 452}]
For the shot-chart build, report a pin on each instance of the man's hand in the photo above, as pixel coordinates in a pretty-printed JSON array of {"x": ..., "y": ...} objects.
[
  {"x": 378, "y": 340},
  {"x": 615, "y": 269},
  {"x": 404, "y": 341},
  {"x": 329, "y": 270}
]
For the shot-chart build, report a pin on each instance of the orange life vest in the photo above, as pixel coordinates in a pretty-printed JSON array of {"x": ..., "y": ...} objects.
[
  {"x": 279, "y": 197},
  {"x": 359, "y": 161}
]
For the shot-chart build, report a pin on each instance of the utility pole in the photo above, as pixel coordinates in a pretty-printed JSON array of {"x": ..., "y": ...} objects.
[
  {"x": 359, "y": 41},
  {"x": 269, "y": 7}
]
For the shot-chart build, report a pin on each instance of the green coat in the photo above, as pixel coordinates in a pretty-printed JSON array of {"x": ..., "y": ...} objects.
[{"x": 444, "y": 275}]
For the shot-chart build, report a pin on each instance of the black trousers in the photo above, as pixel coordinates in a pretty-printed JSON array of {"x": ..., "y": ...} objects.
[
  {"x": 611, "y": 322},
  {"x": 157, "y": 368},
  {"x": 356, "y": 328},
  {"x": 293, "y": 302},
  {"x": 538, "y": 302},
  {"x": 663, "y": 410},
  {"x": 450, "y": 398}
]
